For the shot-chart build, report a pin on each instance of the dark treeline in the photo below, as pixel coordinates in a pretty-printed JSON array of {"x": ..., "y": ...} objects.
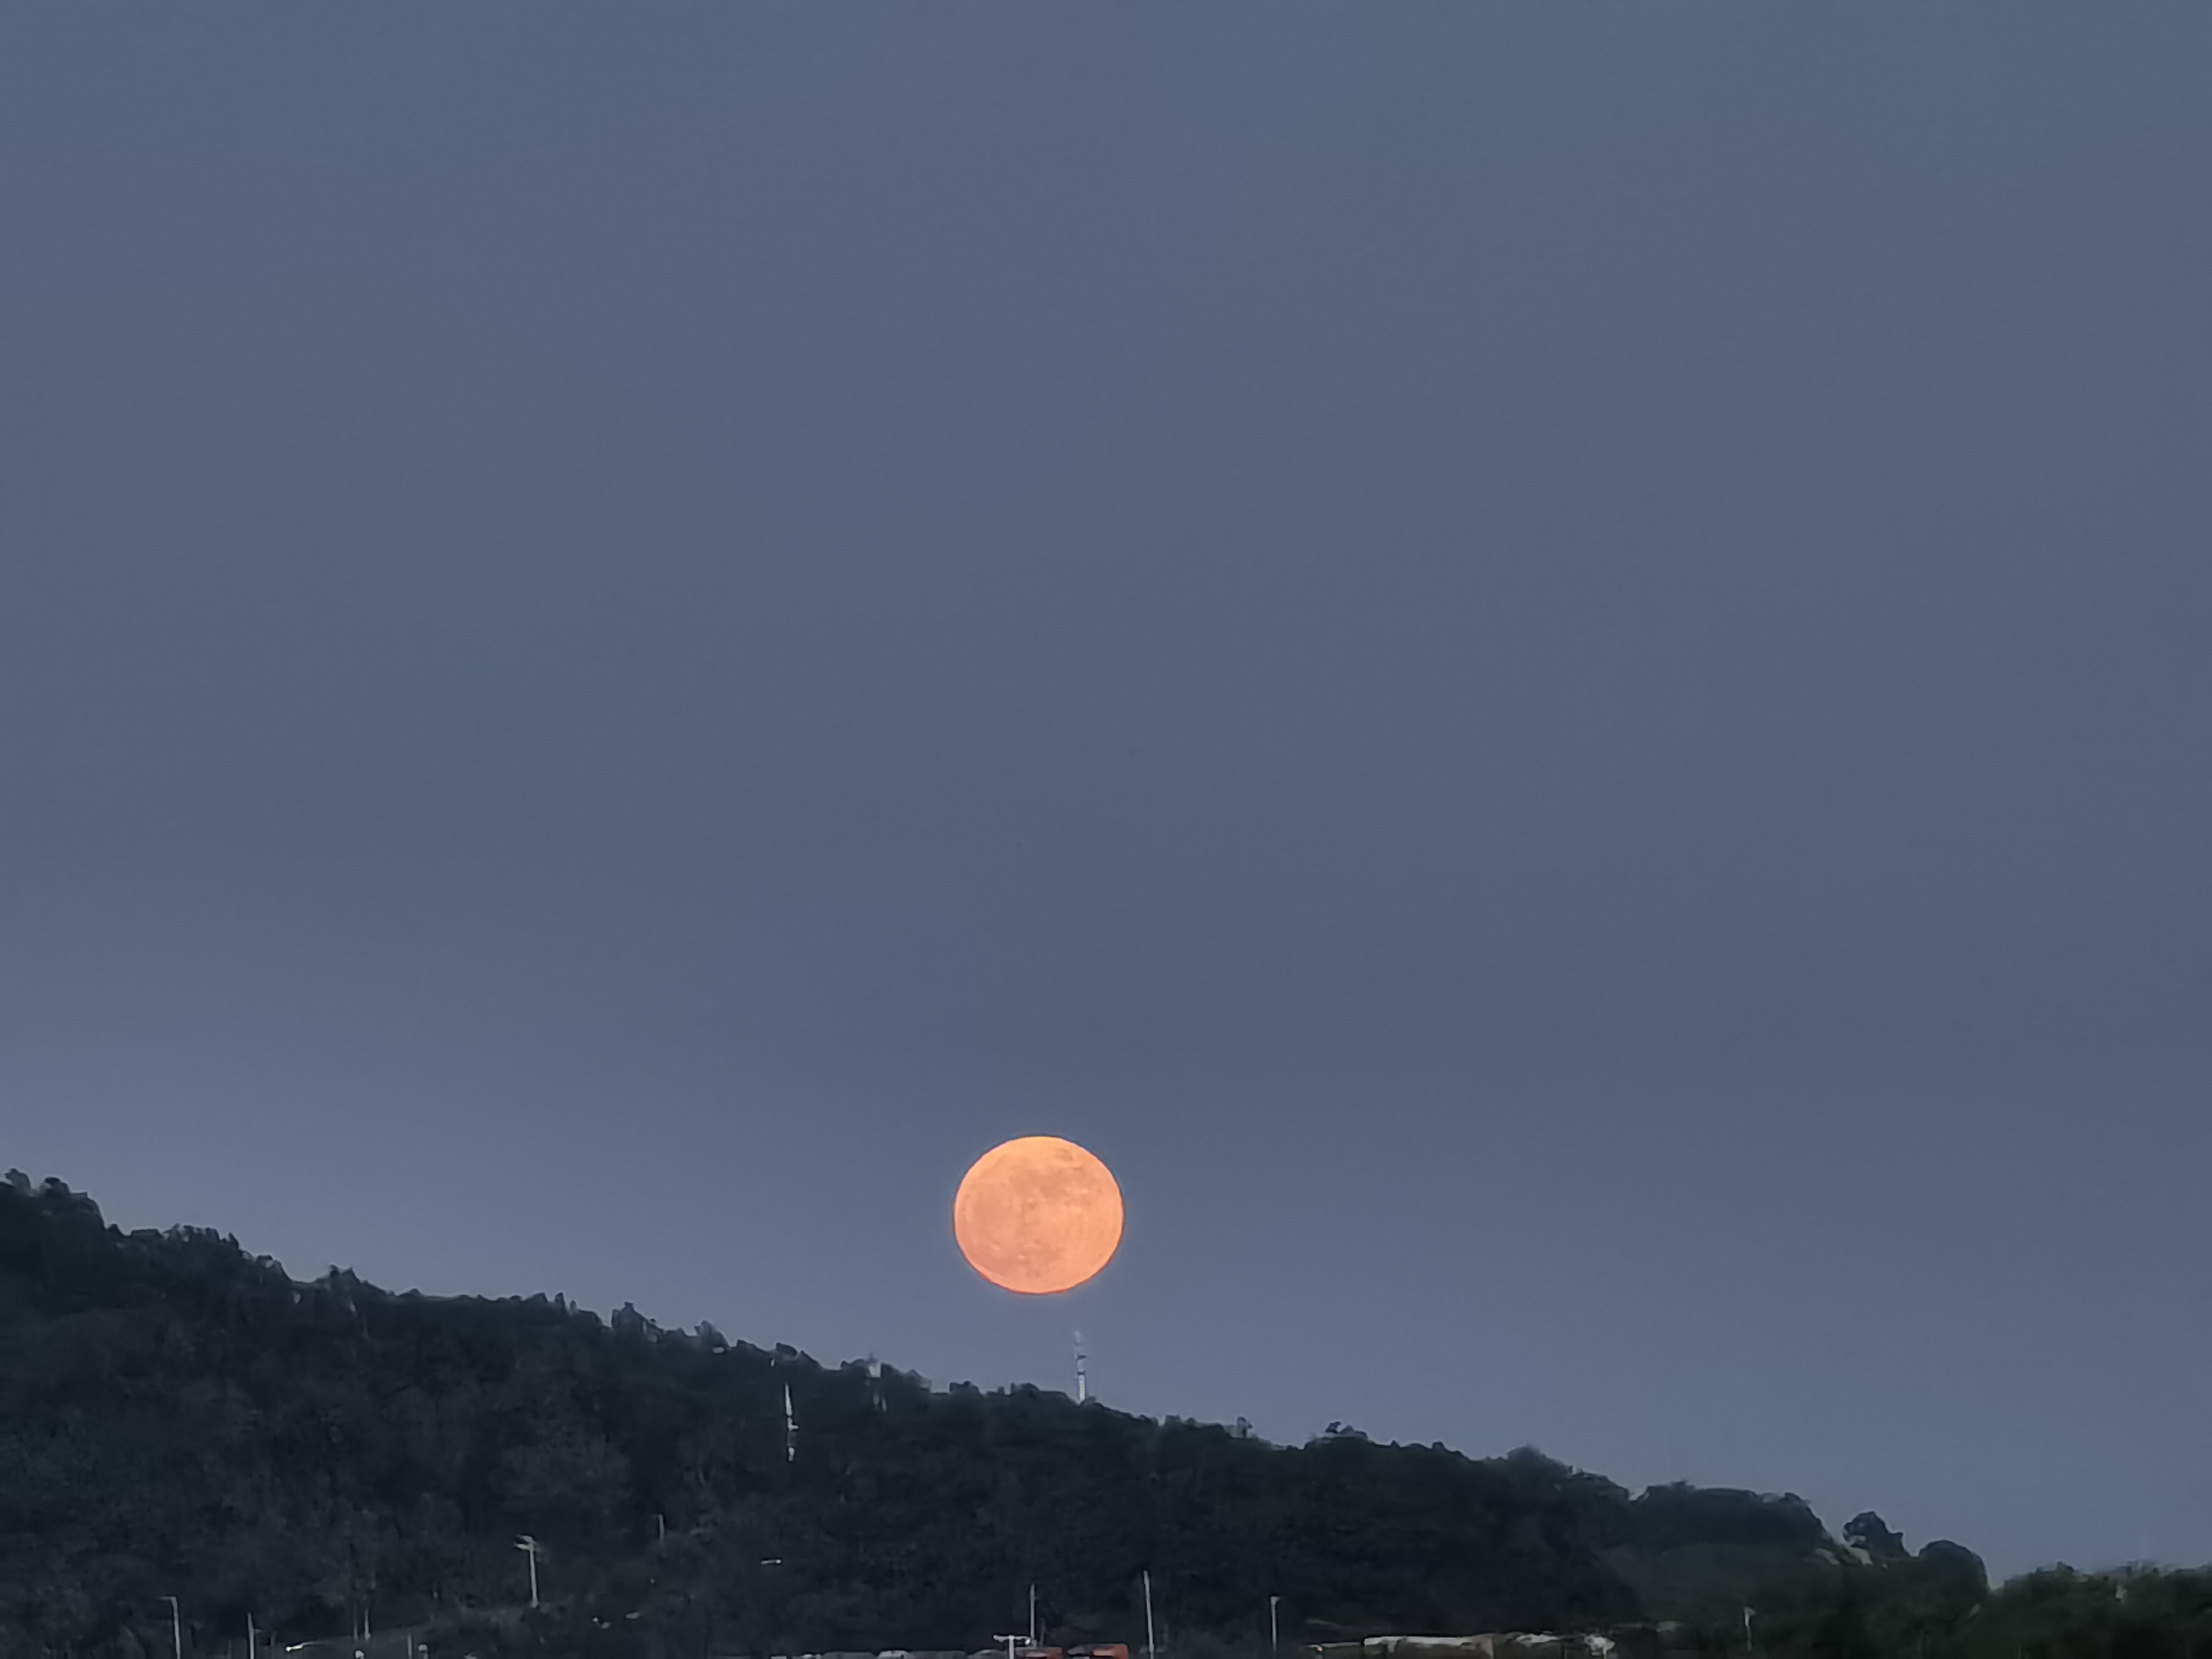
[{"x": 182, "y": 1418}]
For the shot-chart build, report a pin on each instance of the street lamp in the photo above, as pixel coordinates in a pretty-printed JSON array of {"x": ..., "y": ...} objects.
[
  {"x": 1274, "y": 1632},
  {"x": 529, "y": 1546},
  {"x": 176, "y": 1627}
]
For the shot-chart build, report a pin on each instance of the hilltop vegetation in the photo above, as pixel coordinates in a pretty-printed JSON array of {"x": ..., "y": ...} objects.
[{"x": 182, "y": 1418}]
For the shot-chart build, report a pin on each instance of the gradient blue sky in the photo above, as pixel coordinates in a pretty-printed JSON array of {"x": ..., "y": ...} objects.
[{"x": 1546, "y": 666}]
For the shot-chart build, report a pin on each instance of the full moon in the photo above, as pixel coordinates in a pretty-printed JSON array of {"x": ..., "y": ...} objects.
[{"x": 1037, "y": 1215}]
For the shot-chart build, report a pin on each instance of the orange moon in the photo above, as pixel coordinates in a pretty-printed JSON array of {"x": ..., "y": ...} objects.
[{"x": 1037, "y": 1215}]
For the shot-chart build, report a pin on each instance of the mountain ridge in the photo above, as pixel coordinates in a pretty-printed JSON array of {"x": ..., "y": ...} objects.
[{"x": 182, "y": 1416}]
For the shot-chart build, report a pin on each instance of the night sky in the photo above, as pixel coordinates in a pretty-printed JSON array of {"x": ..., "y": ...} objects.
[{"x": 1548, "y": 668}]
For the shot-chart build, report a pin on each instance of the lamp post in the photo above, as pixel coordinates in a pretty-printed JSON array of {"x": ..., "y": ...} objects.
[
  {"x": 1152, "y": 1648},
  {"x": 176, "y": 1625},
  {"x": 1274, "y": 1631},
  {"x": 528, "y": 1545}
]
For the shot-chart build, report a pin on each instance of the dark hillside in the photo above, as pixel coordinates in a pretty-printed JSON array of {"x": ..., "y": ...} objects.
[{"x": 182, "y": 1418}]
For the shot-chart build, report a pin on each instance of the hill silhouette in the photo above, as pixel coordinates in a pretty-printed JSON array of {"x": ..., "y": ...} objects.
[{"x": 182, "y": 1418}]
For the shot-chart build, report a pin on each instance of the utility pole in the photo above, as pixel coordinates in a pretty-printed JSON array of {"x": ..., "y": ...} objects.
[
  {"x": 1152, "y": 1648},
  {"x": 252, "y": 1651},
  {"x": 1274, "y": 1631},
  {"x": 528, "y": 1545},
  {"x": 176, "y": 1625},
  {"x": 1747, "y": 1631},
  {"x": 1032, "y": 1615}
]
